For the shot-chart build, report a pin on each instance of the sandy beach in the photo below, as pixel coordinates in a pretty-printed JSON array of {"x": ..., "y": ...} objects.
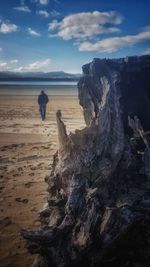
[{"x": 27, "y": 146}]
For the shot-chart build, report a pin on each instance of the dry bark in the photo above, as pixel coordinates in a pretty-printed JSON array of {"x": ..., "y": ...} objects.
[{"x": 98, "y": 209}]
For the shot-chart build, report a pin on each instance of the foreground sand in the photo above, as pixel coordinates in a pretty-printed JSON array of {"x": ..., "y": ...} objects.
[{"x": 26, "y": 148}]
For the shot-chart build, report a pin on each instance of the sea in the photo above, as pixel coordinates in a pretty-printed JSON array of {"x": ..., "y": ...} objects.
[{"x": 34, "y": 87}]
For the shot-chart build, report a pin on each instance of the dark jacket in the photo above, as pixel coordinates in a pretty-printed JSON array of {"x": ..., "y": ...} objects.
[{"x": 43, "y": 99}]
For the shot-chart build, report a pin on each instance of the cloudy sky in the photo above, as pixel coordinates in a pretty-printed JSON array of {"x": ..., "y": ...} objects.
[{"x": 53, "y": 35}]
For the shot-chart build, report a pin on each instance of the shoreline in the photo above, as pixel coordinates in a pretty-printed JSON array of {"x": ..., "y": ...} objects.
[{"x": 27, "y": 146}]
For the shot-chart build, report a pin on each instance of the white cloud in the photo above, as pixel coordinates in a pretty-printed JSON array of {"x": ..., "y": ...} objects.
[
  {"x": 41, "y": 65},
  {"x": 86, "y": 24},
  {"x": 43, "y": 13},
  {"x": 23, "y": 8},
  {"x": 33, "y": 33},
  {"x": 14, "y": 61},
  {"x": 1, "y": 49},
  {"x": 53, "y": 25},
  {"x": 35, "y": 66},
  {"x": 52, "y": 35},
  {"x": 109, "y": 45},
  {"x": 3, "y": 64},
  {"x": 43, "y": 2},
  {"x": 7, "y": 27},
  {"x": 73, "y": 71},
  {"x": 54, "y": 13},
  {"x": 146, "y": 51}
]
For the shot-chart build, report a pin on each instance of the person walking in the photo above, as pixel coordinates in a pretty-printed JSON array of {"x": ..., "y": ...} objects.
[{"x": 42, "y": 101}]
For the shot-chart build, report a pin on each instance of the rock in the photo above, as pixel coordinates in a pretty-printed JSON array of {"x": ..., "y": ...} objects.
[{"x": 98, "y": 210}]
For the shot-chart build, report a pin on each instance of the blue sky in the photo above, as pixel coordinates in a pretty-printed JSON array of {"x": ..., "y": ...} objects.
[{"x": 54, "y": 35}]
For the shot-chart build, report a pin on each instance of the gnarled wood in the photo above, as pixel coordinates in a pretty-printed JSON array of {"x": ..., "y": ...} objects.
[{"x": 98, "y": 212}]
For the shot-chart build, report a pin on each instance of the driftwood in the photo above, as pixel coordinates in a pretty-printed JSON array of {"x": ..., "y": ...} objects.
[{"x": 98, "y": 209}]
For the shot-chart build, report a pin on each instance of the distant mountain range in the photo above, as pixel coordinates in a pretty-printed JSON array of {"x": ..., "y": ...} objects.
[{"x": 49, "y": 76}]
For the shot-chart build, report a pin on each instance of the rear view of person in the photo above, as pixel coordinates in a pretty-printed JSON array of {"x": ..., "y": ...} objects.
[{"x": 42, "y": 101}]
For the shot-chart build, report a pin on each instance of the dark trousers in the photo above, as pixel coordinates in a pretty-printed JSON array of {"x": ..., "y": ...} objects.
[{"x": 42, "y": 110}]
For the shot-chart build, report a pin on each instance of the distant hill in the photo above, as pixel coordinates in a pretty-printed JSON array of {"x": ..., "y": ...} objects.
[{"x": 48, "y": 76}]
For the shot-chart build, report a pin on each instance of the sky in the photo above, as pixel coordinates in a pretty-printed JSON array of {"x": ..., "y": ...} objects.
[{"x": 62, "y": 35}]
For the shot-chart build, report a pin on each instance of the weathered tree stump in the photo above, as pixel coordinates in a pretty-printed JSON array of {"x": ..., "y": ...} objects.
[{"x": 98, "y": 209}]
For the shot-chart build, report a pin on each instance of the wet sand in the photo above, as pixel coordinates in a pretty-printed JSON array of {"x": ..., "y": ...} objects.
[{"x": 27, "y": 146}]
